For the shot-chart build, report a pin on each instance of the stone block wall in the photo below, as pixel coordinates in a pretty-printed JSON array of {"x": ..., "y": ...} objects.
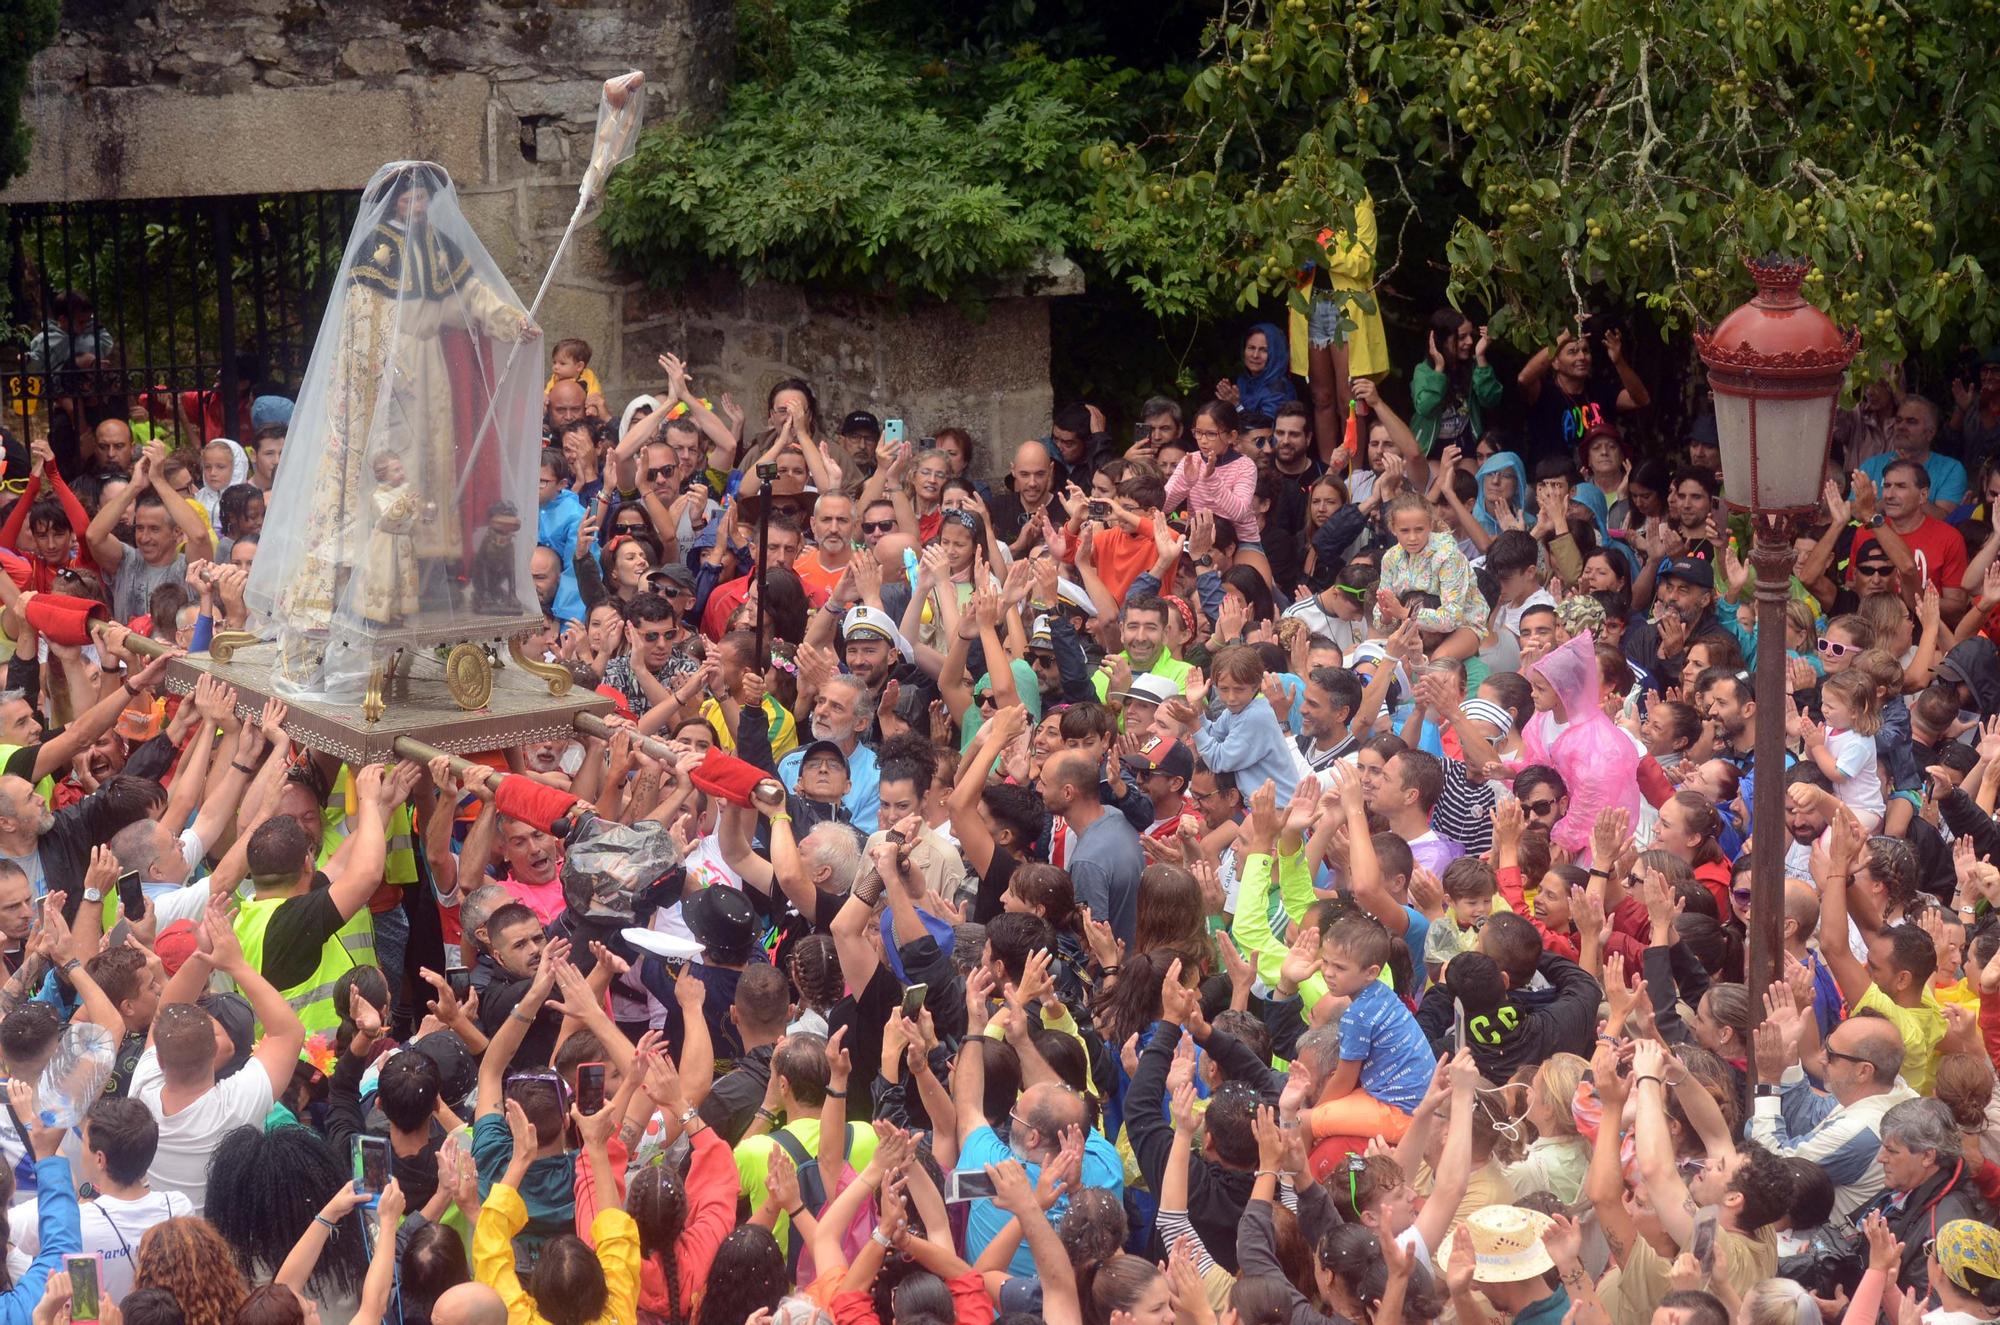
[{"x": 171, "y": 98}]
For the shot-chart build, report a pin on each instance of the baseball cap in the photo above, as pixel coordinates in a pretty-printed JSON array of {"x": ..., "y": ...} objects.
[
  {"x": 1162, "y": 755},
  {"x": 822, "y": 748},
  {"x": 861, "y": 424},
  {"x": 674, "y": 571},
  {"x": 864, "y": 622},
  {"x": 1603, "y": 429},
  {"x": 1689, "y": 570},
  {"x": 1148, "y": 688}
]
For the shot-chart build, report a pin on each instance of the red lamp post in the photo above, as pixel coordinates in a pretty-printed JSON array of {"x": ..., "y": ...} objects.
[{"x": 1776, "y": 367}]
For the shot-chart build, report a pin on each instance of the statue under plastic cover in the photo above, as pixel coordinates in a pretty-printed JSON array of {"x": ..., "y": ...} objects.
[{"x": 417, "y": 419}]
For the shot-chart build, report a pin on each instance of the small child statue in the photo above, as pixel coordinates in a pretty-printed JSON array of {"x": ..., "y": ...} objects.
[
  {"x": 493, "y": 565},
  {"x": 387, "y": 594}
]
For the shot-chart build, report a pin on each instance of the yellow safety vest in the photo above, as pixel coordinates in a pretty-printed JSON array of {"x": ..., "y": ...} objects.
[
  {"x": 400, "y": 865},
  {"x": 311, "y": 998},
  {"x": 46, "y": 788}
]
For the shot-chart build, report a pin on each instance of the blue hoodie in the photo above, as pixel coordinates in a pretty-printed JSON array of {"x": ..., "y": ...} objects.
[
  {"x": 1523, "y": 494},
  {"x": 556, "y": 525}
]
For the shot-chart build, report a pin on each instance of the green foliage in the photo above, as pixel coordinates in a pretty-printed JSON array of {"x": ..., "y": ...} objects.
[
  {"x": 846, "y": 157},
  {"x": 1574, "y": 154},
  {"x": 26, "y": 26}
]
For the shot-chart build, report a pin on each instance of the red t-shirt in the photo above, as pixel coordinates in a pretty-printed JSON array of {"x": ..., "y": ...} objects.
[{"x": 1942, "y": 548}]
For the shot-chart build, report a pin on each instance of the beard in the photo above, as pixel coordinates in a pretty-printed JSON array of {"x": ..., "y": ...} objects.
[{"x": 822, "y": 731}]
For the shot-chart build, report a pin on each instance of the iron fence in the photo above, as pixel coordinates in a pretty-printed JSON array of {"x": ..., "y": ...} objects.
[{"x": 210, "y": 296}]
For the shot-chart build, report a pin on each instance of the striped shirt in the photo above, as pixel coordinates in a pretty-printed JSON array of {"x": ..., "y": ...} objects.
[{"x": 1464, "y": 810}]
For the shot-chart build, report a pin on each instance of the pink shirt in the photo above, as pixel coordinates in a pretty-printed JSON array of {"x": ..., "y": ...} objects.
[
  {"x": 1229, "y": 493},
  {"x": 544, "y": 899}
]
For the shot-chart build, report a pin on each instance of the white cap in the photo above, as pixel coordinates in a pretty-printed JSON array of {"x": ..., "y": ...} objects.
[{"x": 866, "y": 622}]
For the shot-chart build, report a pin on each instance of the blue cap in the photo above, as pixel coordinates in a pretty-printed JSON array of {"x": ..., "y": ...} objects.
[{"x": 267, "y": 410}]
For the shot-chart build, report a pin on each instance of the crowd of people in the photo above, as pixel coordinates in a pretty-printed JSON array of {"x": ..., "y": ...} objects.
[{"x": 1265, "y": 872}]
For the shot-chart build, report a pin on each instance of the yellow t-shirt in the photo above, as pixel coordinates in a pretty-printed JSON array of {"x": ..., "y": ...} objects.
[
  {"x": 753, "y": 1160},
  {"x": 1632, "y": 1291},
  {"x": 784, "y": 729},
  {"x": 586, "y": 378},
  {"x": 1921, "y": 1029}
]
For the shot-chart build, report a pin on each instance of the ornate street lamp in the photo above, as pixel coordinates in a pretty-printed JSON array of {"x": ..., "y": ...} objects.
[{"x": 1776, "y": 367}]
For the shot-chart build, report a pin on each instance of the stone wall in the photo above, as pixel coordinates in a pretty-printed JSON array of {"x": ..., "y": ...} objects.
[{"x": 201, "y": 97}]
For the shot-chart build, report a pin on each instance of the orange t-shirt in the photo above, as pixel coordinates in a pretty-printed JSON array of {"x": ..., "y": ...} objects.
[
  {"x": 1121, "y": 557},
  {"x": 818, "y": 580}
]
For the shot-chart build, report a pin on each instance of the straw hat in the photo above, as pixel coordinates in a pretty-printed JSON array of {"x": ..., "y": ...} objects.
[{"x": 1506, "y": 1244}]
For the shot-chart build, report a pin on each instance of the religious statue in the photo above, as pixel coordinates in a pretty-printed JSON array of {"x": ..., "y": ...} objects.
[
  {"x": 375, "y": 521},
  {"x": 388, "y": 594},
  {"x": 493, "y": 564}
]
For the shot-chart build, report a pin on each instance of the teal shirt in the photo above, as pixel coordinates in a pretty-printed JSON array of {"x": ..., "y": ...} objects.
[{"x": 548, "y": 1191}]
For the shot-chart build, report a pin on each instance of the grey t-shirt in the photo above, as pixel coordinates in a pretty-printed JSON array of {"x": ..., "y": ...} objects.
[
  {"x": 132, "y": 584},
  {"x": 1105, "y": 862}
]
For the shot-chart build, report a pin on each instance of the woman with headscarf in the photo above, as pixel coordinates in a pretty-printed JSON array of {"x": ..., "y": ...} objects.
[
  {"x": 1571, "y": 733},
  {"x": 1266, "y": 380}
]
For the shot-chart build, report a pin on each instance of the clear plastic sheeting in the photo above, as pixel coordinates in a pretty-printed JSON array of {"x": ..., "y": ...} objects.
[{"x": 403, "y": 513}]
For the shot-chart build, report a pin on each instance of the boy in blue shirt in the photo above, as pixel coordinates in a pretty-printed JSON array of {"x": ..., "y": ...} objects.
[{"x": 1386, "y": 1064}]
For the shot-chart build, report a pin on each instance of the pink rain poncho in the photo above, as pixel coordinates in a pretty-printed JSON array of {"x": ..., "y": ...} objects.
[{"x": 1598, "y": 762}]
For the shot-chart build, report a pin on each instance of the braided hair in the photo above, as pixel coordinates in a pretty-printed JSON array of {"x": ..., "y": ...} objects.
[{"x": 657, "y": 1202}]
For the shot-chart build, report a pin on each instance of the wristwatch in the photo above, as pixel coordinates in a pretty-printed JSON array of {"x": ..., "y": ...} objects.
[
  {"x": 1876, "y": 521},
  {"x": 92, "y": 895},
  {"x": 1767, "y": 1091}
]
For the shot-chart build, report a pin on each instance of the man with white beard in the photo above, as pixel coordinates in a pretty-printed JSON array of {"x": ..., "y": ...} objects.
[{"x": 842, "y": 711}]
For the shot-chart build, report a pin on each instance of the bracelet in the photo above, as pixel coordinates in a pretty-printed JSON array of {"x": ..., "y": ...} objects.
[
  {"x": 836, "y": 1094},
  {"x": 250, "y": 769},
  {"x": 1599, "y": 874},
  {"x": 515, "y": 1013},
  {"x": 1109, "y": 970},
  {"x": 130, "y": 689},
  {"x": 1650, "y": 1078},
  {"x": 1269, "y": 1173},
  {"x": 326, "y": 1223},
  {"x": 767, "y": 1115},
  {"x": 70, "y": 965},
  {"x": 779, "y": 818}
]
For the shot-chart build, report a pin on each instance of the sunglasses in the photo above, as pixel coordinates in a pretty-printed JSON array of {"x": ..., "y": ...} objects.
[
  {"x": 1835, "y": 649},
  {"x": 1740, "y": 896},
  {"x": 1539, "y": 807},
  {"x": 878, "y": 526},
  {"x": 1835, "y": 1053},
  {"x": 629, "y": 528},
  {"x": 656, "y": 474},
  {"x": 655, "y": 636}
]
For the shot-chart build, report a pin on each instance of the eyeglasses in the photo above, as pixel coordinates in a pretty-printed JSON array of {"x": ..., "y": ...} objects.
[
  {"x": 878, "y": 526},
  {"x": 656, "y": 474},
  {"x": 987, "y": 701},
  {"x": 1741, "y": 895},
  {"x": 1875, "y": 568},
  {"x": 1539, "y": 807},
  {"x": 655, "y": 636},
  {"x": 1930, "y": 1248},
  {"x": 628, "y": 528},
  {"x": 1835, "y": 649},
  {"x": 1832, "y": 1052}
]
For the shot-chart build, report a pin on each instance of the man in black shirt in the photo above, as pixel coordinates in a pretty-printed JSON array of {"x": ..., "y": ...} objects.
[{"x": 762, "y": 1009}]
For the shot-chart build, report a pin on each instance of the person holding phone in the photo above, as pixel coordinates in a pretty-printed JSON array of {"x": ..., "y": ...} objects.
[
  {"x": 56, "y": 1220},
  {"x": 1747, "y": 1185},
  {"x": 119, "y": 1138}
]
